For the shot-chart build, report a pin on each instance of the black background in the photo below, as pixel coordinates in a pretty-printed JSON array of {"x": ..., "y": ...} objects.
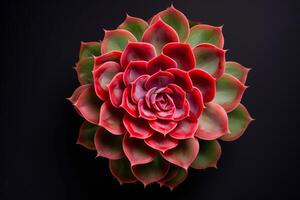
[{"x": 39, "y": 46}]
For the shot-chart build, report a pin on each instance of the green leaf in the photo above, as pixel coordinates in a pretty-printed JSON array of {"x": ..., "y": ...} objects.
[
  {"x": 121, "y": 169},
  {"x": 176, "y": 175},
  {"x": 134, "y": 25},
  {"x": 86, "y": 135},
  {"x": 116, "y": 40},
  {"x": 108, "y": 145},
  {"x": 89, "y": 49},
  {"x": 151, "y": 172},
  {"x": 203, "y": 33},
  {"x": 84, "y": 70},
  {"x": 239, "y": 120},
  {"x": 213, "y": 122},
  {"x": 184, "y": 153},
  {"x": 229, "y": 92},
  {"x": 237, "y": 70},
  {"x": 210, "y": 59},
  {"x": 208, "y": 156},
  {"x": 176, "y": 19}
]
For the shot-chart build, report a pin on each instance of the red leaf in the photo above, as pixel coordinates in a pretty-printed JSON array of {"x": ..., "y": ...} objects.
[
  {"x": 108, "y": 145},
  {"x": 111, "y": 119},
  {"x": 137, "y": 127},
  {"x": 161, "y": 142},
  {"x": 134, "y": 70},
  {"x": 102, "y": 77},
  {"x": 159, "y": 34},
  {"x": 184, "y": 153},
  {"x": 213, "y": 122},
  {"x": 161, "y": 62},
  {"x": 205, "y": 83},
  {"x": 162, "y": 126},
  {"x": 185, "y": 129},
  {"x": 137, "y": 51},
  {"x": 182, "y": 54},
  {"x": 137, "y": 151}
]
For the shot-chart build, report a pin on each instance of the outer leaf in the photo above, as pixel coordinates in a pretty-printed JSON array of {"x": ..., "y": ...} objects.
[
  {"x": 213, "y": 122},
  {"x": 111, "y": 119},
  {"x": 237, "y": 70},
  {"x": 84, "y": 70},
  {"x": 73, "y": 99},
  {"x": 239, "y": 119},
  {"x": 151, "y": 172},
  {"x": 89, "y": 49},
  {"x": 184, "y": 153},
  {"x": 88, "y": 105},
  {"x": 159, "y": 34},
  {"x": 116, "y": 40},
  {"x": 108, "y": 145},
  {"x": 208, "y": 155},
  {"x": 137, "y": 151},
  {"x": 193, "y": 23},
  {"x": 134, "y": 25},
  {"x": 210, "y": 59},
  {"x": 229, "y": 92},
  {"x": 203, "y": 33},
  {"x": 176, "y": 175},
  {"x": 121, "y": 169},
  {"x": 86, "y": 135},
  {"x": 176, "y": 20}
]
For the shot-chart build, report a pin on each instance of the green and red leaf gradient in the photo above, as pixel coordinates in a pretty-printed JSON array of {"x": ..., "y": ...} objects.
[{"x": 157, "y": 95}]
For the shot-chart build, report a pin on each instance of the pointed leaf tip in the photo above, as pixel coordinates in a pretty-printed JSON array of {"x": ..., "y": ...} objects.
[
  {"x": 237, "y": 70},
  {"x": 108, "y": 145},
  {"x": 137, "y": 151},
  {"x": 184, "y": 153},
  {"x": 84, "y": 70},
  {"x": 89, "y": 49},
  {"x": 88, "y": 104},
  {"x": 203, "y": 33},
  {"x": 116, "y": 40},
  {"x": 151, "y": 172},
  {"x": 176, "y": 19},
  {"x": 134, "y": 25},
  {"x": 213, "y": 122},
  {"x": 210, "y": 59},
  {"x": 208, "y": 156},
  {"x": 121, "y": 170},
  {"x": 229, "y": 92},
  {"x": 176, "y": 175},
  {"x": 159, "y": 34},
  {"x": 86, "y": 135},
  {"x": 239, "y": 119}
]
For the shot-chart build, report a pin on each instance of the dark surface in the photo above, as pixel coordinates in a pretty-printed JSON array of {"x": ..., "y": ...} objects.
[{"x": 40, "y": 43}]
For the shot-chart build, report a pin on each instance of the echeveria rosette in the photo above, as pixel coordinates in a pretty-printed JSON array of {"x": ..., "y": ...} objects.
[{"x": 157, "y": 96}]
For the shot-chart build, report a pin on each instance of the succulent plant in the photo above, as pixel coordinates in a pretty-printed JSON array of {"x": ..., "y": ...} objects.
[{"x": 156, "y": 97}]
